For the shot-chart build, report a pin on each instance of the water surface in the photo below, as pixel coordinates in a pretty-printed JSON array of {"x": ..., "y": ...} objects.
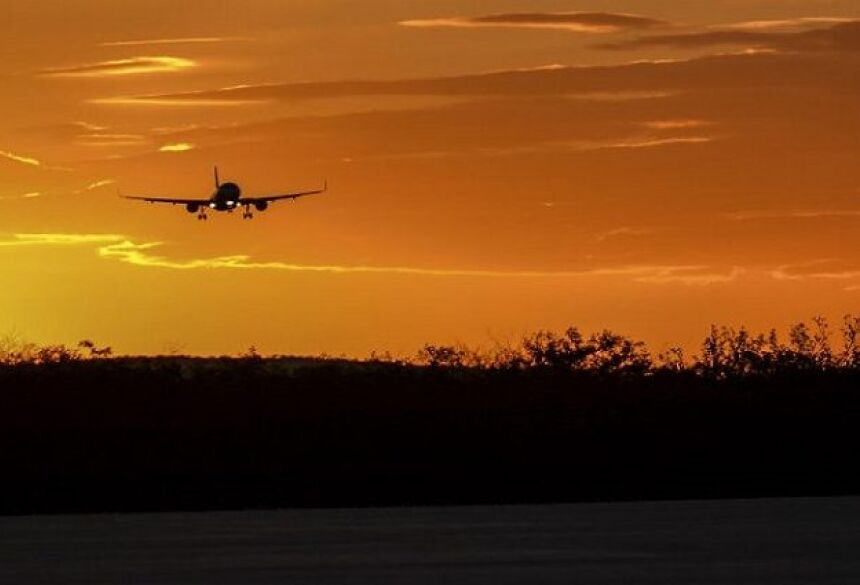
[{"x": 737, "y": 542}]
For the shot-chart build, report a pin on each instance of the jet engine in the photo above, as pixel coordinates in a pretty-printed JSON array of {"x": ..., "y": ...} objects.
[
  {"x": 192, "y": 207},
  {"x": 261, "y": 205}
]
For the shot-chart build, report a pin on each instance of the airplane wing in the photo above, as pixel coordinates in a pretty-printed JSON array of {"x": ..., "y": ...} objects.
[
  {"x": 167, "y": 200},
  {"x": 270, "y": 198}
]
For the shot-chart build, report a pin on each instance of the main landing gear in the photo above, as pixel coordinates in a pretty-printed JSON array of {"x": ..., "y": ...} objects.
[
  {"x": 202, "y": 215},
  {"x": 247, "y": 213}
]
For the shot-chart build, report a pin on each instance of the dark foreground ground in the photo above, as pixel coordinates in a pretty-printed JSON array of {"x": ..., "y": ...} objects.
[
  {"x": 729, "y": 542},
  {"x": 170, "y": 434}
]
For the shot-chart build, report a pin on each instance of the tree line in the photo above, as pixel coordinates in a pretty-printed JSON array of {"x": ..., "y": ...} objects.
[{"x": 725, "y": 351}]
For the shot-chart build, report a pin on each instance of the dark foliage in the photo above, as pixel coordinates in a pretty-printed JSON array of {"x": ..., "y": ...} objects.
[{"x": 562, "y": 418}]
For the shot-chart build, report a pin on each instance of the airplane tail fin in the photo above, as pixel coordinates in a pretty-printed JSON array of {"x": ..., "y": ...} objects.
[{"x": 217, "y": 182}]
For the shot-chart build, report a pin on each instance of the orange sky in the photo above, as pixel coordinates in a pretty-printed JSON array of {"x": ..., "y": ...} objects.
[{"x": 495, "y": 167}]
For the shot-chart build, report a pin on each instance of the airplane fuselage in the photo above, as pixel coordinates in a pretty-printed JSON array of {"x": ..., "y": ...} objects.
[{"x": 226, "y": 198}]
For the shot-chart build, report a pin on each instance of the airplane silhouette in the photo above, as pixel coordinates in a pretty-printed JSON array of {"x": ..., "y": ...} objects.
[{"x": 227, "y": 197}]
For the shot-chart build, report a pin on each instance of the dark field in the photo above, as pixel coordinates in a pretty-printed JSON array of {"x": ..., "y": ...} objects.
[
  {"x": 162, "y": 434},
  {"x": 729, "y": 542}
]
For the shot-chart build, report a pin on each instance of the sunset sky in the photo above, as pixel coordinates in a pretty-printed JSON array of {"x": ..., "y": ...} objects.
[{"x": 495, "y": 167}]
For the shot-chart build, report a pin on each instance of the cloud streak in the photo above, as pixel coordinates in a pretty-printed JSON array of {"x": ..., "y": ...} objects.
[
  {"x": 179, "y": 100},
  {"x": 747, "y": 70},
  {"x": 96, "y": 185},
  {"x": 841, "y": 37},
  {"x": 119, "y": 67},
  {"x": 820, "y": 269},
  {"x": 623, "y": 231},
  {"x": 173, "y": 41},
  {"x": 26, "y": 160},
  {"x": 795, "y": 214},
  {"x": 101, "y": 139},
  {"x": 176, "y": 147},
  {"x": 30, "y": 195},
  {"x": 585, "y": 22},
  {"x": 787, "y": 23},
  {"x": 25, "y": 240},
  {"x": 656, "y": 142},
  {"x": 675, "y": 124},
  {"x": 123, "y": 249}
]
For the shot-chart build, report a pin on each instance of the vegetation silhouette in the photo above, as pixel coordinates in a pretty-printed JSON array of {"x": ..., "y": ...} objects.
[{"x": 557, "y": 417}]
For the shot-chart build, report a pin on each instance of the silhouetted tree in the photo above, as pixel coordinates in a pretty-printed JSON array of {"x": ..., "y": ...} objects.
[
  {"x": 547, "y": 349},
  {"x": 730, "y": 352},
  {"x": 672, "y": 359},
  {"x": 604, "y": 352},
  {"x": 450, "y": 356},
  {"x": 850, "y": 356},
  {"x": 616, "y": 353},
  {"x": 93, "y": 351}
]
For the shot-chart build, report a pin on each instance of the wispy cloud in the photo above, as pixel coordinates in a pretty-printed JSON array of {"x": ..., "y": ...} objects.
[
  {"x": 846, "y": 273},
  {"x": 787, "y": 23},
  {"x": 20, "y": 158},
  {"x": 586, "y": 22},
  {"x": 124, "y": 249},
  {"x": 177, "y": 147},
  {"x": 622, "y": 232},
  {"x": 841, "y": 37},
  {"x": 675, "y": 124},
  {"x": 23, "y": 240},
  {"x": 130, "y": 66},
  {"x": 631, "y": 142},
  {"x": 182, "y": 100},
  {"x": 819, "y": 269},
  {"x": 639, "y": 79},
  {"x": 139, "y": 255},
  {"x": 102, "y": 139},
  {"x": 793, "y": 214},
  {"x": 89, "y": 127},
  {"x": 655, "y": 142},
  {"x": 31, "y": 195},
  {"x": 567, "y": 146},
  {"x": 98, "y": 184},
  {"x": 173, "y": 41},
  {"x": 696, "y": 276}
]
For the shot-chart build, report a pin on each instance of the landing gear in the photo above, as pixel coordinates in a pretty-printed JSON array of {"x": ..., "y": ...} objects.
[
  {"x": 202, "y": 216},
  {"x": 247, "y": 213}
]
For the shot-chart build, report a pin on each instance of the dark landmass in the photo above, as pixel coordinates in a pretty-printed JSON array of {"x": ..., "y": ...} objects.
[{"x": 562, "y": 418}]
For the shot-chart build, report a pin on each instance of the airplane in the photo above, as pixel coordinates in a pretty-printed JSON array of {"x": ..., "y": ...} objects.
[{"x": 227, "y": 197}]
